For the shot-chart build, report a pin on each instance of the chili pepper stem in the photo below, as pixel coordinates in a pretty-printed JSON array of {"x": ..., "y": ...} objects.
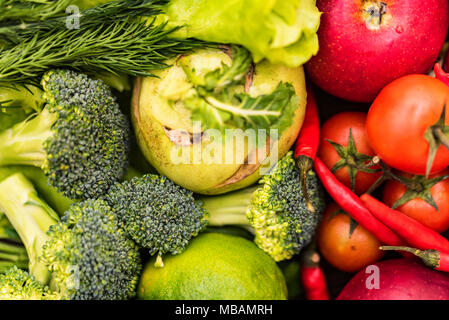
[
  {"x": 431, "y": 258},
  {"x": 305, "y": 164}
]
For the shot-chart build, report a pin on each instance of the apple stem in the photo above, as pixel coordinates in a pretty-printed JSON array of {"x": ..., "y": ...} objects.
[{"x": 375, "y": 11}]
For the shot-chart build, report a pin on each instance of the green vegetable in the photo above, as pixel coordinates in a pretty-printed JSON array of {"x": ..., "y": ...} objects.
[
  {"x": 198, "y": 156},
  {"x": 157, "y": 214},
  {"x": 214, "y": 267},
  {"x": 37, "y": 177},
  {"x": 283, "y": 31},
  {"x": 275, "y": 209},
  {"x": 17, "y": 284},
  {"x": 85, "y": 255},
  {"x": 89, "y": 255},
  {"x": 17, "y": 103},
  {"x": 80, "y": 139},
  {"x": 110, "y": 38},
  {"x": 30, "y": 217},
  {"x": 219, "y": 104},
  {"x": 7, "y": 231},
  {"x": 163, "y": 217},
  {"x": 30, "y": 10},
  {"x": 12, "y": 251}
]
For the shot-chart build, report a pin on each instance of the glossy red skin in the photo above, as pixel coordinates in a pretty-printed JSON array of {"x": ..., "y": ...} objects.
[
  {"x": 398, "y": 119},
  {"x": 399, "y": 279},
  {"x": 355, "y": 63},
  {"x": 419, "y": 209},
  {"x": 337, "y": 129}
]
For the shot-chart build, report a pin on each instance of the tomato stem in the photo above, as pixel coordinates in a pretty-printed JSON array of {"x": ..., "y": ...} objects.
[{"x": 387, "y": 174}]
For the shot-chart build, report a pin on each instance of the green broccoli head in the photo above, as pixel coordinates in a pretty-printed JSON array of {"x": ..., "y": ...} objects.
[
  {"x": 80, "y": 139},
  {"x": 157, "y": 214},
  {"x": 89, "y": 255},
  {"x": 17, "y": 284},
  {"x": 275, "y": 209},
  {"x": 278, "y": 211}
]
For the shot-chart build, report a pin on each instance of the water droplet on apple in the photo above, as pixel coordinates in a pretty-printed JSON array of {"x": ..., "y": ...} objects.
[{"x": 399, "y": 29}]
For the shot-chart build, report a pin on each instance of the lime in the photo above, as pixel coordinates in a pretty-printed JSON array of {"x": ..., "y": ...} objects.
[{"x": 214, "y": 267}]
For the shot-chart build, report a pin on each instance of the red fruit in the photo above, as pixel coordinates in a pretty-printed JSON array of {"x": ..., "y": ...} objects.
[
  {"x": 398, "y": 279},
  {"x": 344, "y": 243},
  {"x": 358, "y": 56},
  {"x": 405, "y": 117},
  {"x": 338, "y": 129},
  {"x": 421, "y": 204}
]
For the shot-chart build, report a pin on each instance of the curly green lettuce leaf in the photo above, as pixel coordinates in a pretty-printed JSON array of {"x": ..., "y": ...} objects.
[{"x": 282, "y": 31}]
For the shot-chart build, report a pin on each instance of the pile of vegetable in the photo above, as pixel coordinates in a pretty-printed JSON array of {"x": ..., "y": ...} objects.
[{"x": 179, "y": 149}]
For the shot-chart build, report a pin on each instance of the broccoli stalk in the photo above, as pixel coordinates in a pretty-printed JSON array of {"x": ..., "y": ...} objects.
[
  {"x": 275, "y": 210},
  {"x": 234, "y": 212},
  {"x": 30, "y": 217},
  {"x": 23, "y": 143},
  {"x": 79, "y": 139},
  {"x": 163, "y": 217},
  {"x": 36, "y": 176},
  {"x": 12, "y": 255},
  {"x": 12, "y": 252}
]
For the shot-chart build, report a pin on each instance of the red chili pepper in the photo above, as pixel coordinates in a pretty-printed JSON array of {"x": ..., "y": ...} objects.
[
  {"x": 307, "y": 142},
  {"x": 415, "y": 233},
  {"x": 431, "y": 258},
  {"x": 352, "y": 205},
  {"x": 440, "y": 74},
  {"x": 312, "y": 276}
]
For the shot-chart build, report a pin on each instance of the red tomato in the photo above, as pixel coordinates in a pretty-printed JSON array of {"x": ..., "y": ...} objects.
[
  {"x": 419, "y": 209},
  {"x": 399, "y": 117},
  {"x": 337, "y": 129},
  {"x": 346, "y": 251}
]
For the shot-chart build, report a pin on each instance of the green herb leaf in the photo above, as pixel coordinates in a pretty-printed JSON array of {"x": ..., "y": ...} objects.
[
  {"x": 108, "y": 40},
  {"x": 218, "y": 79},
  {"x": 243, "y": 111}
]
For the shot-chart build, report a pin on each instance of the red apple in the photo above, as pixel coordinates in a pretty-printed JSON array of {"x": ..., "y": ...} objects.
[{"x": 366, "y": 44}]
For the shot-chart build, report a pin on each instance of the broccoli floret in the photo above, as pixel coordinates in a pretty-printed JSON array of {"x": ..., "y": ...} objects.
[
  {"x": 84, "y": 255},
  {"x": 90, "y": 256},
  {"x": 80, "y": 138},
  {"x": 17, "y": 284},
  {"x": 157, "y": 214},
  {"x": 31, "y": 218},
  {"x": 162, "y": 217},
  {"x": 275, "y": 209}
]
